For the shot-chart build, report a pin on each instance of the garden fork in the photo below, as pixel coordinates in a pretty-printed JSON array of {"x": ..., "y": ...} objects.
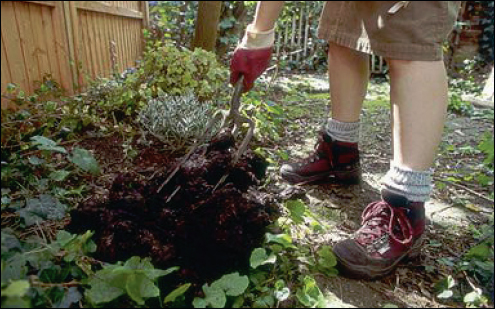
[{"x": 231, "y": 120}]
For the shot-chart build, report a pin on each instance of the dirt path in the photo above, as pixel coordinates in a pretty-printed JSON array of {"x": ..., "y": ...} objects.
[{"x": 411, "y": 285}]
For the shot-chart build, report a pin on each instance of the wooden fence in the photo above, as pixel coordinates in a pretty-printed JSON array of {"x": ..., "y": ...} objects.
[
  {"x": 296, "y": 39},
  {"x": 70, "y": 40}
]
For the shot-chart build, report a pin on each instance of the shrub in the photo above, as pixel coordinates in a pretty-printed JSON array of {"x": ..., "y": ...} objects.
[{"x": 163, "y": 70}]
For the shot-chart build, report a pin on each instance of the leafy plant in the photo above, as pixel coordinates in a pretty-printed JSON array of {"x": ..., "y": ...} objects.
[
  {"x": 134, "y": 278},
  {"x": 178, "y": 71},
  {"x": 54, "y": 269},
  {"x": 458, "y": 105},
  {"x": 216, "y": 293},
  {"x": 176, "y": 120}
]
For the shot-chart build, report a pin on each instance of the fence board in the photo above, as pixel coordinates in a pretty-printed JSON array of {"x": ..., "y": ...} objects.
[
  {"x": 26, "y": 39},
  {"x": 69, "y": 40},
  {"x": 5, "y": 73},
  {"x": 50, "y": 42},
  {"x": 61, "y": 47},
  {"x": 40, "y": 49},
  {"x": 13, "y": 52}
]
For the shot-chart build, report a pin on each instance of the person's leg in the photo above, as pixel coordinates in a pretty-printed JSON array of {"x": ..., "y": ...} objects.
[
  {"x": 392, "y": 228},
  {"x": 337, "y": 157},
  {"x": 419, "y": 98},
  {"x": 348, "y": 74}
]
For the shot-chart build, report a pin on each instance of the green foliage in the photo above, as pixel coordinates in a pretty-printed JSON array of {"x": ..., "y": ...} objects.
[
  {"x": 135, "y": 278},
  {"x": 176, "y": 120},
  {"x": 14, "y": 294},
  {"x": 40, "y": 113},
  {"x": 282, "y": 261},
  {"x": 84, "y": 160},
  {"x": 164, "y": 70},
  {"x": 42, "y": 173},
  {"x": 177, "y": 72},
  {"x": 172, "y": 21},
  {"x": 459, "y": 106},
  {"x": 177, "y": 293},
  {"x": 216, "y": 294},
  {"x": 487, "y": 147},
  {"x": 267, "y": 115},
  {"x": 52, "y": 267},
  {"x": 477, "y": 267},
  {"x": 45, "y": 207}
]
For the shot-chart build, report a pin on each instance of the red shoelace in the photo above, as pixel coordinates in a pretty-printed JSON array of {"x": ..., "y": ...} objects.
[{"x": 380, "y": 218}]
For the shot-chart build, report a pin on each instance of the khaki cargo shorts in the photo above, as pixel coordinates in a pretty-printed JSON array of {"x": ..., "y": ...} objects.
[{"x": 402, "y": 30}]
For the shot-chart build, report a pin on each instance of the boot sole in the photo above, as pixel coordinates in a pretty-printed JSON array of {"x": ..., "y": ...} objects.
[
  {"x": 369, "y": 272},
  {"x": 344, "y": 177}
]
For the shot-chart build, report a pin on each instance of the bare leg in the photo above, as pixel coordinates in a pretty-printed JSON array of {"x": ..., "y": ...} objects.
[
  {"x": 419, "y": 103},
  {"x": 348, "y": 73}
]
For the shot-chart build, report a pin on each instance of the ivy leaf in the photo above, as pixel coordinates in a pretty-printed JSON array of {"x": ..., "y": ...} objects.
[
  {"x": 34, "y": 160},
  {"x": 297, "y": 209},
  {"x": 139, "y": 286},
  {"x": 9, "y": 242},
  {"x": 233, "y": 284},
  {"x": 281, "y": 292},
  {"x": 327, "y": 260},
  {"x": 46, "y": 207},
  {"x": 136, "y": 262},
  {"x": 310, "y": 293},
  {"x": 199, "y": 303},
  {"x": 282, "y": 239},
  {"x": 70, "y": 297},
  {"x": 481, "y": 251},
  {"x": 59, "y": 175},
  {"x": 472, "y": 297},
  {"x": 445, "y": 294},
  {"x": 176, "y": 293},
  {"x": 44, "y": 143},
  {"x": 17, "y": 288},
  {"x": 266, "y": 301},
  {"x": 214, "y": 296},
  {"x": 259, "y": 257},
  {"x": 102, "y": 292},
  {"x": 85, "y": 161}
]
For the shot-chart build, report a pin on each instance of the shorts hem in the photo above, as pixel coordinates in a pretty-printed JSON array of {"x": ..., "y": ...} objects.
[{"x": 395, "y": 51}]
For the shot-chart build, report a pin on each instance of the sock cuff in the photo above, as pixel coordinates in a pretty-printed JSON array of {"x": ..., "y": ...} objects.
[
  {"x": 343, "y": 131},
  {"x": 416, "y": 186}
]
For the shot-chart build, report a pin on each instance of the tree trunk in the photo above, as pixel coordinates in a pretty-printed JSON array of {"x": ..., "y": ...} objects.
[{"x": 205, "y": 34}]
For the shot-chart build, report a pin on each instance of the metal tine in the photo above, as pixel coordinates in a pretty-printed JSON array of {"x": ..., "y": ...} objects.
[
  {"x": 199, "y": 142},
  {"x": 234, "y": 121}
]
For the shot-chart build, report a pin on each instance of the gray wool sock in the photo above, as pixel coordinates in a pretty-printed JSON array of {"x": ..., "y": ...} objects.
[
  {"x": 343, "y": 131},
  {"x": 416, "y": 186}
]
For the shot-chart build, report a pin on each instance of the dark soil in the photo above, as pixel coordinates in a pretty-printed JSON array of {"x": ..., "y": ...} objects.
[{"x": 207, "y": 232}]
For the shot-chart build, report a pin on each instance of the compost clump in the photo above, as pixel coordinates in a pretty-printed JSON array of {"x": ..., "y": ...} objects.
[{"x": 185, "y": 222}]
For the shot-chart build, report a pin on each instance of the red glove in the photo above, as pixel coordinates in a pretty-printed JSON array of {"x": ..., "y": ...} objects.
[
  {"x": 251, "y": 63},
  {"x": 252, "y": 56}
]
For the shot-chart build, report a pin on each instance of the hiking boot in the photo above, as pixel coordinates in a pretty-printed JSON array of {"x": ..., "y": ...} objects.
[
  {"x": 392, "y": 229},
  {"x": 332, "y": 161}
]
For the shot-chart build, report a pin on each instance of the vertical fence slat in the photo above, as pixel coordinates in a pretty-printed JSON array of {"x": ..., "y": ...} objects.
[
  {"x": 126, "y": 42},
  {"x": 299, "y": 33},
  {"x": 106, "y": 46},
  {"x": 293, "y": 35},
  {"x": 41, "y": 52},
  {"x": 59, "y": 26},
  {"x": 13, "y": 51},
  {"x": 306, "y": 33},
  {"x": 88, "y": 69},
  {"x": 50, "y": 42},
  {"x": 6, "y": 77},
  {"x": 26, "y": 38}
]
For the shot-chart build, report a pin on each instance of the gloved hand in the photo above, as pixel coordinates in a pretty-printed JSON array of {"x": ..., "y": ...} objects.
[{"x": 252, "y": 56}]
